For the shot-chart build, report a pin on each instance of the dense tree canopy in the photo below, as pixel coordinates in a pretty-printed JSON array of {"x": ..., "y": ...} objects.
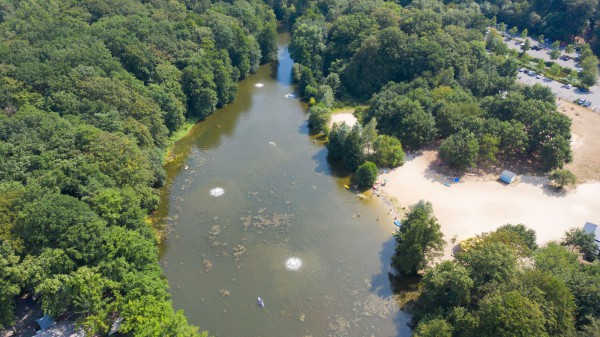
[
  {"x": 90, "y": 91},
  {"x": 423, "y": 71},
  {"x": 502, "y": 284}
]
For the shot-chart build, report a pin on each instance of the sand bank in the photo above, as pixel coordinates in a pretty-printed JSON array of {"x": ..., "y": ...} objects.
[
  {"x": 343, "y": 117},
  {"x": 477, "y": 205}
]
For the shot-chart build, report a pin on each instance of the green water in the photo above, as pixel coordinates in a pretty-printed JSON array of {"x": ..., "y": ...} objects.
[{"x": 280, "y": 200}]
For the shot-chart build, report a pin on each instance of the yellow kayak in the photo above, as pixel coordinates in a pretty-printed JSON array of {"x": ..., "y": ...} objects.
[{"x": 347, "y": 187}]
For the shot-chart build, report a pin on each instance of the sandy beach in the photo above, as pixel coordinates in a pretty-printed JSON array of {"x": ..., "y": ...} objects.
[
  {"x": 343, "y": 116},
  {"x": 480, "y": 203},
  {"x": 473, "y": 206}
]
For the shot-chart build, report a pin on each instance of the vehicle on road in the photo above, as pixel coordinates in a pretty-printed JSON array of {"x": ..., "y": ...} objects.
[
  {"x": 521, "y": 70},
  {"x": 568, "y": 86},
  {"x": 539, "y": 77},
  {"x": 581, "y": 101},
  {"x": 587, "y": 104}
]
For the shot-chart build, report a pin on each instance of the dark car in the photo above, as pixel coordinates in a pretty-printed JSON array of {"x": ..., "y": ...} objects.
[{"x": 587, "y": 104}]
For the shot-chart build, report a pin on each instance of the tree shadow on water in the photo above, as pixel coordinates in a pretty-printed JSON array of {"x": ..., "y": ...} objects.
[
  {"x": 386, "y": 284},
  {"x": 327, "y": 166}
]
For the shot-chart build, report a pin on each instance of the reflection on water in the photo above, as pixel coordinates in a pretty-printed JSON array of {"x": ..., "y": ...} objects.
[{"x": 286, "y": 230}]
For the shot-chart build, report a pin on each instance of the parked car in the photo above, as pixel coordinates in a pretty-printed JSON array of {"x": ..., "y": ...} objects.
[
  {"x": 580, "y": 101},
  {"x": 568, "y": 86},
  {"x": 566, "y": 57},
  {"x": 539, "y": 77},
  {"x": 587, "y": 104},
  {"x": 521, "y": 70}
]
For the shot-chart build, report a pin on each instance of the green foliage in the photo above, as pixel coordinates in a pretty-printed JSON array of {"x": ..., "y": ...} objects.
[
  {"x": 307, "y": 45},
  {"x": 491, "y": 262},
  {"x": 555, "y": 152},
  {"x": 554, "y": 54},
  {"x": 526, "y": 235},
  {"x": 555, "y": 299},
  {"x": 388, "y": 151},
  {"x": 366, "y": 174},
  {"x": 589, "y": 70},
  {"x": 563, "y": 178},
  {"x": 91, "y": 90},
  {"x": 592, "y": 329},
  {"x": 9, "y": 287},
  {"x": 460, "y": 150},
  {"x": 583, "y": 241},
  {"x": 337, "y": 139},
  {"x": 419, "y": 241},
  {"x": 319, "y": 118},
  {"x": 433, "y": 328},
  {"x": 354, "y": 153},
  {"x": 488, "y": 148},
  {"x": 402, "y": 117},
  {"x": 569, "y": 48},
  {"x": 446, "y": 285},
  {"x": 526, "y": 46},
  {"x": 510, "y": 314},
  {"x": 370, "y": 134}
]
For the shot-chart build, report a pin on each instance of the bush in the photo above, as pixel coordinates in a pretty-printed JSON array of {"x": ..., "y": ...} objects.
[
  {"x": 366, "y": 174},
  {"x": 563, "y": 178}
]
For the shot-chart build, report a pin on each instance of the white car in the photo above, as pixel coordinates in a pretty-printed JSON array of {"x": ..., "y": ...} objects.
[
  {"x": 539, "y": 77},
  {"x": 569, "y": 86}
]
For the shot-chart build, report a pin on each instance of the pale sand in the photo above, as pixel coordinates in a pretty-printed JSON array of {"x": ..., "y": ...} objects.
[
  {"x": 477, "y": 205},
  {"x": 343, "y": 117}
]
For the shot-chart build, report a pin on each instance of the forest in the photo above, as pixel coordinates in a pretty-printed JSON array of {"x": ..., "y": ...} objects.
[
  {"x": 91, "y": 91},
  {"x": 424, "y": 75},
  {"x": 499, "y": 283}
]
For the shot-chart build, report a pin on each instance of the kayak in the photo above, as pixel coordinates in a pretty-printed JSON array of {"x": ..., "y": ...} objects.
[
  {"x": 261, "y": 303},
  {"x": 347, "y": 187}
]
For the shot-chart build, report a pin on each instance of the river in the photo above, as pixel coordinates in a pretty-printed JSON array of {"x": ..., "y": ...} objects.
[{"x": 250, "y": 190}]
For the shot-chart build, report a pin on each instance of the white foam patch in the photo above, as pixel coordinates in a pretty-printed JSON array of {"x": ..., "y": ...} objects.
[
  {"x": 217, "y": 192},
  {"x": 293, "y": 263},
  {"x": 259, "y": 85}
]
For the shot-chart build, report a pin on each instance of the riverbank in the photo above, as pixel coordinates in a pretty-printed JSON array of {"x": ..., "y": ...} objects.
[{"x": 183, "y": 131}]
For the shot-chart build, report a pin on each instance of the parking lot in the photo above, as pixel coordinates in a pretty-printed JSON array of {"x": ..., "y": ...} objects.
[
  {"x": 561, "y": 90},
  {"x": 544, "y": 53}
]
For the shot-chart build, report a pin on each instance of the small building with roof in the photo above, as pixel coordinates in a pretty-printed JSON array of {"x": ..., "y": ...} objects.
[
  {"x": 508, "y": 176},
  {"x": 49, "y": 328},
  {"x": 593, "y": 229}
]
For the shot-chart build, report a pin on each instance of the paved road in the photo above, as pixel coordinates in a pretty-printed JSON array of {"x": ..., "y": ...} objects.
[{"x": 560, "y": 90}]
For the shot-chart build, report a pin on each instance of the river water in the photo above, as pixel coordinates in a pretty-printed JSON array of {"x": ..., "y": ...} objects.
[{"x": 249, "y": 190}]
